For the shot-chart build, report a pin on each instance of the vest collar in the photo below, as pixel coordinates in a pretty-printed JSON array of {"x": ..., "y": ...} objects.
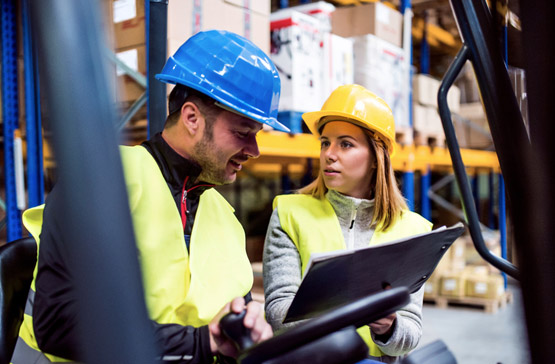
[{"x": 174, "y": 167}]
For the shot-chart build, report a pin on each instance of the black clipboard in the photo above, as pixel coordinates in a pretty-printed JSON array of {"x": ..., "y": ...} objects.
[{"x": 336, "y": 278}]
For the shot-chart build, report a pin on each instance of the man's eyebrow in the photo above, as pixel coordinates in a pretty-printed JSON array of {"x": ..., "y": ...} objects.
[{"x": 251, "y": 125}]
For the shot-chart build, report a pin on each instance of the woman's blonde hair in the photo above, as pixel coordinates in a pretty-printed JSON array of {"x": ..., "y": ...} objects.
[{"x": 389, "y": 202}]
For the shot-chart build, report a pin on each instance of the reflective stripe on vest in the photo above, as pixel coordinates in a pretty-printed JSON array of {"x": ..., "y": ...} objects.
[
  {"x": 24, "y": 354},
  {"x": 313, "y": 227},
  {"x": 180, "y": 288},
  {"x": 26, "y": 348}
]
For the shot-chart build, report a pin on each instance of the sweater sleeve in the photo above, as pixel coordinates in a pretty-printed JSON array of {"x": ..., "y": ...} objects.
[
  {"x": 408, "y": 328},
  {"x": 281, "y": 273}
]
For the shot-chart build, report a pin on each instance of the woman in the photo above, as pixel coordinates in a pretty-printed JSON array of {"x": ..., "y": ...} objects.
[{"x": 354, "y": 202}]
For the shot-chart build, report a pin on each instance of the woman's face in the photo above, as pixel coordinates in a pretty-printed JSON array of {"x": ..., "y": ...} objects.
[{"x": 347, "y": 161}]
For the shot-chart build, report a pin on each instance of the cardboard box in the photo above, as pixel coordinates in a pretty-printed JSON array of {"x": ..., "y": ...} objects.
[
  {"x": 426, "y": 120},
  {"x": 454, "y": 99},
  {"x": 185, "y": 18},
  {"x": 374, "y": 18},
  {"x": 297, "y": 52},
  {"x": 425, "y": 89},
  {"x": 457, "y": 255},
  {"x": 128, "y": 22},
  {"x": 250, "y": 19},
  {"x": 338, "y": 63},
  {"x": 432, "y": 285},
  {"x": 467, "y": 135},
  {"x": 127, "y": 88},
  {"x": 485, "y": 286},
  {"x": 381, "y": 68},
  {"x": 453, "y": 284}
]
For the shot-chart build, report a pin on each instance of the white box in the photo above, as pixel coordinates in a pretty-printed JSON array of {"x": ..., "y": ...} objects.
[
  {"x": 454, "y": 99},
  {"x": 425, "y": 89},
  {"x": 321, "y": 10},
  {"x": 380, "y": 67},
  {"x": 297, "y": 52},
  {"x": 419, "y": 117},
  {"x": 338, "y": 63},
  {"x": 434, "y": 121},
  {"x": 425, "y": 119}
]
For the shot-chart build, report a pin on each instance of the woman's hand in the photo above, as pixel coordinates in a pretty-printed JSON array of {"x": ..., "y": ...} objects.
[{"x": 383, "y": 326}]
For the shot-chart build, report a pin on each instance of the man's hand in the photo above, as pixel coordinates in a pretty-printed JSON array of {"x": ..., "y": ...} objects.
[
  {"x": 384, "y": 325},
  {"x": 254, "y": 320}
]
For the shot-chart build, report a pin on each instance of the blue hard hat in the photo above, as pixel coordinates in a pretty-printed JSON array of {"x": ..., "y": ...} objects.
[{"x": 230, "y": 69}]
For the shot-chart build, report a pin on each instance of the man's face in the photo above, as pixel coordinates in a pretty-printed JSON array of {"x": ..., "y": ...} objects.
[{"x": 222, "y": 152}]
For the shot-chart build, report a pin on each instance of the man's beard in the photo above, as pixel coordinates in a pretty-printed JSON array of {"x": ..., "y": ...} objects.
[{"x": 209, "y": 157}]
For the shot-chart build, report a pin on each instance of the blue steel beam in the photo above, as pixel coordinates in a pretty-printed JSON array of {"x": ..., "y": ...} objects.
[
  {"x": 407, "y": 43},
  {"x": 35, "y": 174},
  {"x": 10, "y": 113},
  {"x": 502, "y": 222},
  {"x": 425, "y": 184},
  {"x": 408, "y": 189},
  {"x": 425, "y": 48},
  {"x": 491, "y": 219}
]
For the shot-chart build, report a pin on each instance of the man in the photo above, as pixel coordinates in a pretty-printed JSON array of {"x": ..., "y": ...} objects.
[{"x": 192, "y": 257}]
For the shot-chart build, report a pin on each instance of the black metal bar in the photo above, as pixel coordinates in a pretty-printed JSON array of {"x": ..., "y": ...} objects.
[
  {"x": 527, "y": 167},
  {"x": 469, "y": 206},
  {"x": 156, "y": 56},
  {"x": 357, "y": 313},
  {"x": 536, "y": 254},
  {"x": 114, "y": 325},
  {"x": 504, "y": 117}
]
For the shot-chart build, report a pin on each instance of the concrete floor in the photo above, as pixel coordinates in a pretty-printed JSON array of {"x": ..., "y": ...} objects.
[{"x": 477, "y": 337}]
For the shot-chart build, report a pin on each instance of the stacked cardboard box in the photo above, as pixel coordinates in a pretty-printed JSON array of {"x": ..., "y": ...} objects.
[
  {"x": 379, "y": 60},
  {"x": 311, "y": 61},
  {"x": 375, "y": 18},
  {"x": 471, "y": 127},
  {"x": 129, "y": 44},
  {"x": 185, "y": 18},
  {"x": 463, "y": 273},
  {"x": 380, "y": 67},
  {"x": 425, "y": 118},
  {"x": 297, "y": 52}
]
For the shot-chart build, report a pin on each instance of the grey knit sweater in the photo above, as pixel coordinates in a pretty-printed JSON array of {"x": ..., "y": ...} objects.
[{"x": 282, "y": 273}]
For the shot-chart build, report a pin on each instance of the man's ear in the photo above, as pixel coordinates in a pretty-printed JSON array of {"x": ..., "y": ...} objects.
[{"x": 191, "y": 118}]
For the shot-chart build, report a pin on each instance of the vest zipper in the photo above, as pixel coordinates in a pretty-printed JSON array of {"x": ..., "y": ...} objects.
[
  {"x": 351, "y": 242},
  {"x": 184, "y": 193}
]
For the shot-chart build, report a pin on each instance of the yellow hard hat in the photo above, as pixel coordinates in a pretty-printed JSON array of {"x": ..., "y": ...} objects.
[{"x": 359, "y": 106}]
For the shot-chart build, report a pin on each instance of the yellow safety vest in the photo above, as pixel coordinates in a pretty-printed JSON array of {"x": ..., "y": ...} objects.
[
  {"x": 313, "y": 227},
  {"x": 181, "y": 287}
]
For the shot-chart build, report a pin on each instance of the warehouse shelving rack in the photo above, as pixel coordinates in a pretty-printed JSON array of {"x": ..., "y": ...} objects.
[
  {"x": 537, "y": 254},
  {"x": 280, "y": 151}
]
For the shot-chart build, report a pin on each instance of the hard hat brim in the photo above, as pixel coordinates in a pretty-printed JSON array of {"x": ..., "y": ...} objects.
[
  {"x": 312, "y": 121},
  {"x": 273, "y": 122}
]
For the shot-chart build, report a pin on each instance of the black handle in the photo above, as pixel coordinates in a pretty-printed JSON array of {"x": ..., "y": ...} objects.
[{"x": 232, "y": 327}]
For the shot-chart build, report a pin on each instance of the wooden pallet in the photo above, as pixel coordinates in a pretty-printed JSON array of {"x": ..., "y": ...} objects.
[
  {"x": 429, "y": 138},
  {"x": 404, "y": 135},
  {"x": 490, "y": 305}
]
